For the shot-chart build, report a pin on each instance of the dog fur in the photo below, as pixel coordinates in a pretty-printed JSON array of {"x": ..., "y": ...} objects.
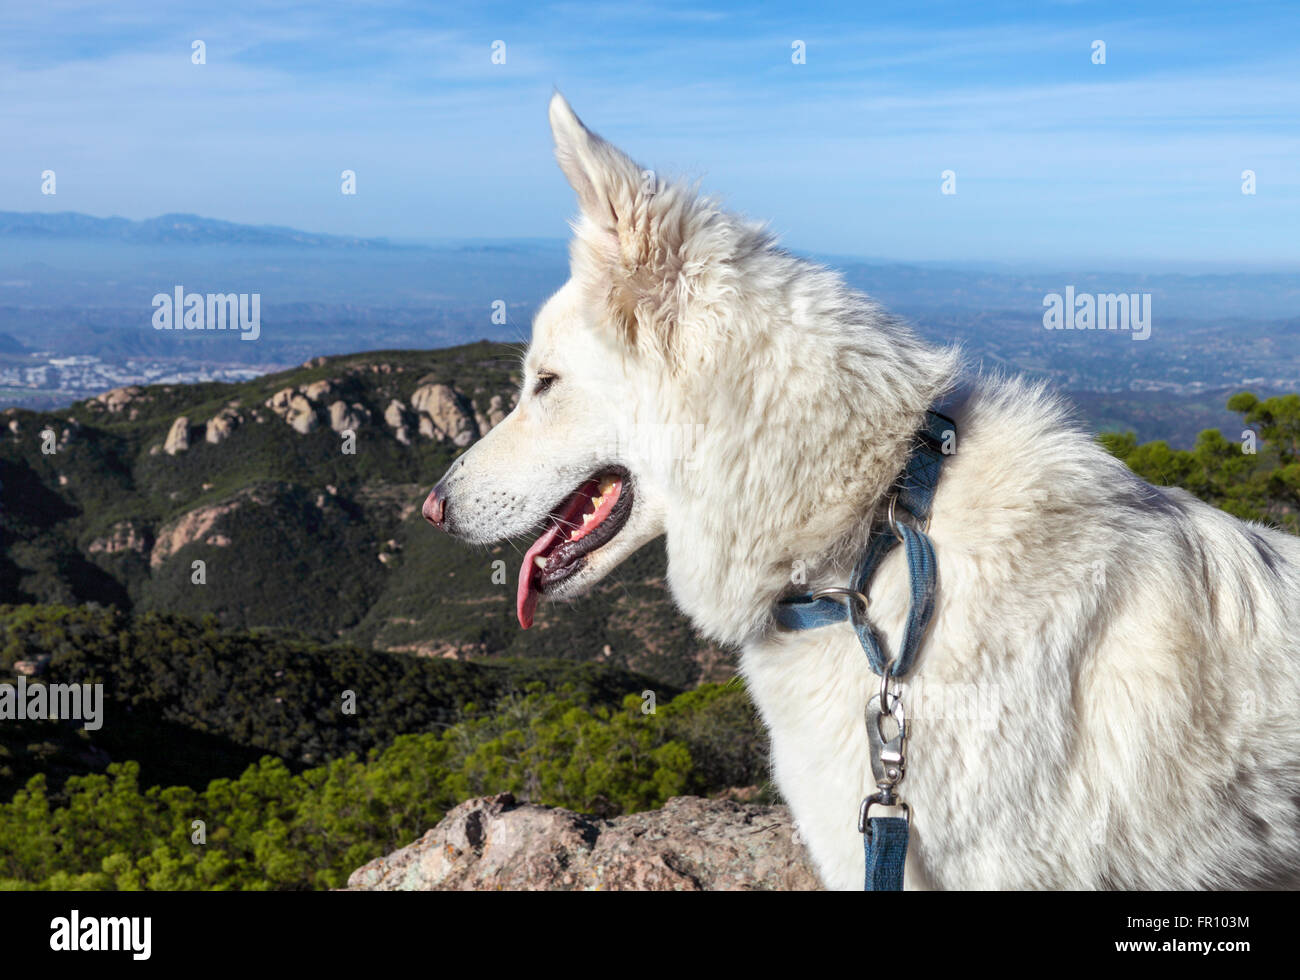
[{"x": 1131, "y": 652}]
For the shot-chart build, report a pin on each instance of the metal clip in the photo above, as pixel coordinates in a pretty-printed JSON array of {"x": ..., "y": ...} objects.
[{"x": 888, "y": 754}]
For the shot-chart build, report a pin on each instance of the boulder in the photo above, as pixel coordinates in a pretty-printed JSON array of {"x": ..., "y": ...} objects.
[
  {"x": 344, "y": 416},
  {"x": 122, "y": 536},
  {"x": 118, "y": 399},
  {"x": 301, "y": 415},
  {"x": 692, "y": 844},
  {"x": 279, "y": 402},
  {"x": 220, "y": 426},
  {"x": 178, "y": 437},
  {"x": 318, "y": 390},
  {"x": 33, "y": 668},
  {"x": 450, "y": 412},
  {"x": 394, "y": 414}
]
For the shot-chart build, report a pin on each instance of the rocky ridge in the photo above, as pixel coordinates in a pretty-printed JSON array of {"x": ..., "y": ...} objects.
[{"x": 691, "y": 844}]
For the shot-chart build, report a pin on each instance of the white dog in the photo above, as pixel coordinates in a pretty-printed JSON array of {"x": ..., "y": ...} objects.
[{"x": 1109, "y": 692}]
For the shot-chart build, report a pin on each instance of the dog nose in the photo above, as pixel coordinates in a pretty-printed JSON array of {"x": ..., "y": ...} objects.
[{"x": 435, "y": 507}]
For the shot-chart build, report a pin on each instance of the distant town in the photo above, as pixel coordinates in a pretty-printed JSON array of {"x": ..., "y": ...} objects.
[{"x": 43, "y": 380}]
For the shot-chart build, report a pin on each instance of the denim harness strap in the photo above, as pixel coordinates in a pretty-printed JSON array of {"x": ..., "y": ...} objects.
[{"x": 885, "y": 838}]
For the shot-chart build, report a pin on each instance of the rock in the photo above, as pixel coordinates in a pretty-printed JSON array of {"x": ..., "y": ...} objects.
[
  {"x": 122, "y": 536},
  {"x": 395, "y": 418},
  {"x": 279, "y": 402},
  {"x": 343, "y": 417},
  {"x": 449, "y": 410},
  {"x": 318, "y": 390},
  {"x": 221, "y": 425},
  {"x": 301, "y": 415},
  {"x": 178, "y": 437},
  {"x": 394, "y": 414},
  {"x": 14, "y": 427},
  {"x": 292, "y": 406},
  {"x": 497, "y": 411},
  {"x": 119, "y": 398},
  {"x": 32, "y": 668},
  {"x": 692, "y": 844},
  {"x": 199, "y": 525},
  {"x": 428, "y": 429}
]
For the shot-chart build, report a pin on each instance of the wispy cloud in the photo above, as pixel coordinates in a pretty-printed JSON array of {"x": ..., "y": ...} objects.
[{"x": 1054, "y": 155}]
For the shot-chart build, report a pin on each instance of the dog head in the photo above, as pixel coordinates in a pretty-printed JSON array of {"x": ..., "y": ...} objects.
[
  {"x": 582, "y": 456},
  {"x": 694, "y": 380}
]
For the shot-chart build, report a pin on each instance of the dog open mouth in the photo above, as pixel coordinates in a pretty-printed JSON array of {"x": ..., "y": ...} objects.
[{"x": 587, "y": 519}]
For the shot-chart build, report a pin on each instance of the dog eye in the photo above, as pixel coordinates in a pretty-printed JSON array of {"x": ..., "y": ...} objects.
[{"x": 544, "y": 381}]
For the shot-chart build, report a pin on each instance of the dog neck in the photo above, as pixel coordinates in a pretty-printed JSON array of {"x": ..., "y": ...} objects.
[{"x": 783, "y": 494}]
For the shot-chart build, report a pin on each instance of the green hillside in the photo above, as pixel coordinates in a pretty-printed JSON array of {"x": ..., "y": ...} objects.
[
  {"x": 248, "y": 735},
  {"x": 294, "y": 532}
]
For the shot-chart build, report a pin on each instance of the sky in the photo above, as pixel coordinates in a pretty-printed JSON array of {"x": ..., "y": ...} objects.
[{"x": 1056, "y": 159}]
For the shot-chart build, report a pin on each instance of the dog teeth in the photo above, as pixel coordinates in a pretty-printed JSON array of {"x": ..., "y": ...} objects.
[
  {"x": 606, "y": 485},
  {"x": 539, "y": 561}
]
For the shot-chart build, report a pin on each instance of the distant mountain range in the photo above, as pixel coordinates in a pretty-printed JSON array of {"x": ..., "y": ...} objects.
[
  {"x": 169, "y": 229},
  {"x": 74, "y": 285}
]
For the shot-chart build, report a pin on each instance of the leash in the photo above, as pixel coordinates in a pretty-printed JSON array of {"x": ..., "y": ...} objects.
[{"x": 885, "y": 838}]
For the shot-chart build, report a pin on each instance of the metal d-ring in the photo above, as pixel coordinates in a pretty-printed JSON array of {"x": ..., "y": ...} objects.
[
  {"x": 880, "y": 799},
  {"x": 838, "y": 592},
  {"x": 893, "y": 521}
]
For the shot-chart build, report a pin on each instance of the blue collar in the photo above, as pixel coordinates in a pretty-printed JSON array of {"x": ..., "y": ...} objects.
[{"x": 914, "y": 492}]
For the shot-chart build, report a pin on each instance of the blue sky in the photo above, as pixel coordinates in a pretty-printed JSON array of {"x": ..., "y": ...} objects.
[{"x": 1058, "y": 160}]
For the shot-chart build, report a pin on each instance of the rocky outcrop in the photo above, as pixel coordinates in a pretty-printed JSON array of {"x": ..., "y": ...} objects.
[
  {"x": 119, "y": 399},
  {"x": 297, "y": 408},
  {"x": 317, "y": 390},
  {"x": 122, "y": 537},
  {"x": 692, "y": 844},
  {"x": 279, "y": 402},
  {"x": 450, "y": 414},
  {"x": 197, "y": 525},
  {"x": 294, "y": 407},
  {"x": 344, "y": 417},
  {"x": 395, "y": 419},
  {"x": 33, "y": 668},
  {"x": 178, "y": 437},
  {"x": 497, "y": 411},
  {"x": 221, "y": 425}
]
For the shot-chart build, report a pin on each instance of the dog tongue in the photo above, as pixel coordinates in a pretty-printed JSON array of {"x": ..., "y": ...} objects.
[{"x": 527, "y": 594}]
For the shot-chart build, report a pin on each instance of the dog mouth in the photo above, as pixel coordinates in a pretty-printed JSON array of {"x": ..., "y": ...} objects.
[{"x": 585, "y": 520}]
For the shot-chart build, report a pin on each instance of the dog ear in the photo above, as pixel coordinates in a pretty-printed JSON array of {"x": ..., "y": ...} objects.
[
  {"x": 605, "y": 180},
  {"x": 629, "y": 246}
]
